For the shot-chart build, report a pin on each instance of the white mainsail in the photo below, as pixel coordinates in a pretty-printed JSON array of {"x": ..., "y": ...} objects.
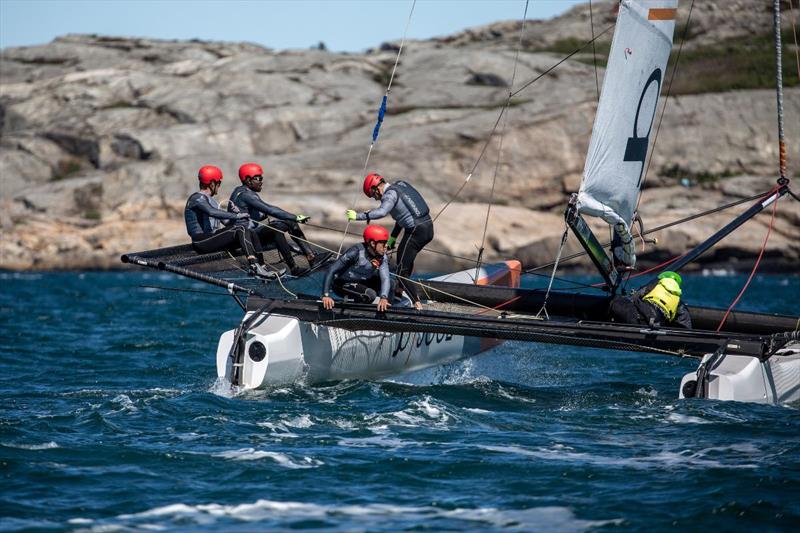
[{"x": 624, "y": 122}]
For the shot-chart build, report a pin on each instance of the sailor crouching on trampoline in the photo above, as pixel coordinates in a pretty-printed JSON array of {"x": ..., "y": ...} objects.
[
  {"x": 658, "y": 302},
  {"x": 362, "y": 272},
  {"x": 411, "y": 215},
  {"x": 211, "y": 228}
]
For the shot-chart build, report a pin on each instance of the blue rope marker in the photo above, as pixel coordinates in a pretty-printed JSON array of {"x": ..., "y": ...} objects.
[{"x": 381, "y": 113}]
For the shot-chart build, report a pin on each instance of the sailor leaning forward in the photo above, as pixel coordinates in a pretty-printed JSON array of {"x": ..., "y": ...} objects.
[
  {"x": 411, "y": 215},
  {"x": 245, "y": 199},
  {"x": 213, "y": 229},
  {"x": 362, "y": 272},
  {"x": 658, "y": 302}
]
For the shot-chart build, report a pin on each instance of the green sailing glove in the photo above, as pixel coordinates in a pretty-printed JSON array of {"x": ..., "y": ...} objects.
[
  {"x": 351, "y": 215},
  {"x": 390, "y": 242},
  {"x": 302, "y": 219}
]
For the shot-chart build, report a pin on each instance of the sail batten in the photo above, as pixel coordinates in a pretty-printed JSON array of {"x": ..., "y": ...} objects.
[{"x": 623, "y": 126}]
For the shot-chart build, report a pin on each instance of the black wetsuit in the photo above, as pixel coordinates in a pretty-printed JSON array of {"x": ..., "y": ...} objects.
[
  {"x": 248, "y": 201},
  {"x": 359, "y": 275},
  {"x": 634, "y": 309},
  {"x": 204, "y": 218},
  {"x": 412, "y": 216}
]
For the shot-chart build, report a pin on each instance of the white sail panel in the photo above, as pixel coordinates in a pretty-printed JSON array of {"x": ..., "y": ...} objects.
[{"x": 624, "y": 123}]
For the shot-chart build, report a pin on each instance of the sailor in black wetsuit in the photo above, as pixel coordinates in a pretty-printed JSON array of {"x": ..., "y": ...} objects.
[
  {"x": 411, "y": 215},
  {"x": 245, "y": 199},
  {"x": 205, "y": 223},
  {"x": 362, "y": 272}
]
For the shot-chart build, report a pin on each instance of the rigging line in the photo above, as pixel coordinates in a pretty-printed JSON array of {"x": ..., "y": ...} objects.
[
  {"x": 555, "y": 267},
  {"x": 755, "y": 267},
  {"x": 794, "y": 35},
  {"x": 381, "y": 113},
  {"x": 665, "y": 226},
  {"x": 502, "y": 112},
  {"x": 475, "y": 166},
  {"x": 776, "y": 24},
  {"x": 299, "y": 238},
  {"x": 500, "y": 144},
  {"x": 546, "y": 72},
  {"x": 594, "y": 51},
  {"x": 666, "y": 101},
  {"x": 178, "y": 289},
  {"x": 428, "y": 287}
]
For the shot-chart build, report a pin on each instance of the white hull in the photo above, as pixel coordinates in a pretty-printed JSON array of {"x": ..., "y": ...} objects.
[
  {"x": 746, "y": 379},
  {"x": 283, "y": 350},
  {"x": 300, "y": 351}
]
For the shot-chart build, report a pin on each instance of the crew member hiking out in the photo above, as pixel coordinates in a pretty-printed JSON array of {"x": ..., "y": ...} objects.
[
  {"x": 411, "y": 215},
  {"x": 362, "y": 272},
  {"x": 245, "y": 199},
  {"x": 658, "y": 302},
  {"x": 213, "y": 229}
]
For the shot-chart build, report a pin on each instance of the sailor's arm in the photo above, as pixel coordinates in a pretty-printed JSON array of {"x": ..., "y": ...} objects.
[
  {"x": 213, "y": 212},
  {"x": 386, "y": 282},
  {"x": 383, "y": 271},
  {"x": 682, "y": 317},
  {"x": 252, "y": 200},
  {"x": 387, "y": 204},
  {"x": 338, "y": 266}
]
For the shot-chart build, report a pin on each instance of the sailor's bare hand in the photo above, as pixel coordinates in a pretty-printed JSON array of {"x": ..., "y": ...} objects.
[
  {"x": 383, "y": 305},
  {"x": 418, "y": 306},
  {"x": 327, "y": 302}
]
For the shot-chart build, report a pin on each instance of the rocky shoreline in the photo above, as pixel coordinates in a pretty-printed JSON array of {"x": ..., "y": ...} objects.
[{"x": 100, "y": 139}]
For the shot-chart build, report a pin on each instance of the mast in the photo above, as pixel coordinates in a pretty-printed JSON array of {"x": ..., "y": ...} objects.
[{"x": 776, "y": 23}]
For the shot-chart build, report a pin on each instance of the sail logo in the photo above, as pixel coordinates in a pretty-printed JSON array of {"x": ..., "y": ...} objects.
[{"x": 636, "y": 147}]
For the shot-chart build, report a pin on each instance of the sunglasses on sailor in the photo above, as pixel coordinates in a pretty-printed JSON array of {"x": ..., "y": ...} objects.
[{"x": 257, "y": 178}]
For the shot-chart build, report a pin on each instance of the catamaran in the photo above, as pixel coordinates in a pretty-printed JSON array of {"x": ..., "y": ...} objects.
[{"x": 287, "y": 336}]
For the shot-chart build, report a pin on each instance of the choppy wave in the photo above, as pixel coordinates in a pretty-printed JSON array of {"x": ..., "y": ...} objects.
[
  {"x": 286, "y": 514},
  {"x": 113, "y": 419}
]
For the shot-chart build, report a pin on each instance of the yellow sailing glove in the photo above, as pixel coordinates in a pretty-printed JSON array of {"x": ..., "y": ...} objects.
[
  {"x": 351, "y": 215},
  {"x": 302, "y": 219},
  {"x": 390, "y": 242}
]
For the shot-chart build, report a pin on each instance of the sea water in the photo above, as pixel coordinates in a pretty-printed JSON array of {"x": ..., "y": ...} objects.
[{"x": 112, "y": 419}]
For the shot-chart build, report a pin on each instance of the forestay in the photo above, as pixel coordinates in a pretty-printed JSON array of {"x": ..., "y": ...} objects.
[{"x": 614, "y": 168}]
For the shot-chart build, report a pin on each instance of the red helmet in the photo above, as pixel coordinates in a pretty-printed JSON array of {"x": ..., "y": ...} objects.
[
  {"x": 370, "y": 182},
  {"x": 209, "y": 173},
  {"x": 373, "y": 232},
  {"x": 248, "y": 170}
]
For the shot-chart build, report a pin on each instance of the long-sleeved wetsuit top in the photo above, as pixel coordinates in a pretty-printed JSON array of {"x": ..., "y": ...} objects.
[
  {"x": 357, "y": 265},
  {"x": 248, "y": 201},
  {"x": 203, "y": 215},
  {"x": 682, "y": 316},
  {"x": 404, "y": 203}
]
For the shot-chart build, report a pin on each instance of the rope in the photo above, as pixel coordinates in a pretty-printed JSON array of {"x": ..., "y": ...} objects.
[
  {"x": 776, "y": 22},
  {"x": 666, "y": 101},
  {"x": 755, "y": 267},
  {"x": 443, "y": 253},
  {"x": 594, "y": 51},
  {"x": 434, "y": 289},
  {"x": 665, "y": 226},
  {"x": 794, "y": 35},
  {"x": 299, "y": 238},
  {"x": 381, "y": 113},
  {"x": 502, "y": 112},
  {"x": 555, "y": 267},
  {"x": 500, "y": 144}
]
